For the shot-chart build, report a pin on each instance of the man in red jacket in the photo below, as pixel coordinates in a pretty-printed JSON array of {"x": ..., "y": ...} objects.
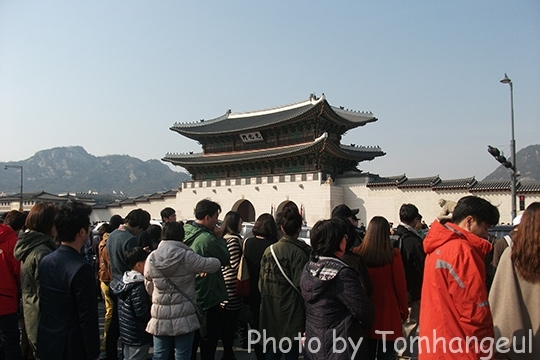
[
  {"x": 455, "y": 319},
  {"x": 10, "y": 270}
]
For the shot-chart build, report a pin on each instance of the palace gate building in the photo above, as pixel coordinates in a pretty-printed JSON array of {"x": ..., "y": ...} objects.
[{"x": 256, "y": 162}]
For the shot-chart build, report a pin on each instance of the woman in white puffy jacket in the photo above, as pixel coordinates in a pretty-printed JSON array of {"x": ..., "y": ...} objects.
[{"x": 174, "y": 319}]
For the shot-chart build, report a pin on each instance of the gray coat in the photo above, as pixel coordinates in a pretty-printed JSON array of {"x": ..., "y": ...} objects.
[{"x": 173, "y": 314}]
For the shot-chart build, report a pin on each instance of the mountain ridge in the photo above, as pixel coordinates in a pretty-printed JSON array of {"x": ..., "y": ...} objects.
[
  {"x": 73, "y": 169},
  {"x": 528, "y": 166}
]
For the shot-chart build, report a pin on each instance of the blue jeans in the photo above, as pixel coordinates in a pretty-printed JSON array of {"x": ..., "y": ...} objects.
[
  {"x": 136, "y": 352},
  {"x": 180, "y": 344}
]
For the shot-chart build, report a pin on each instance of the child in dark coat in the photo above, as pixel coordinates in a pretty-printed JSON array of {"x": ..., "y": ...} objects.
[{"x": 134, "y": 307}]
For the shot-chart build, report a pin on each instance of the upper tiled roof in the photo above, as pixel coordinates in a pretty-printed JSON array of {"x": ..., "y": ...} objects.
[
  {"x": 348, "y": 152},
  {"x": 230, "y": 123}
]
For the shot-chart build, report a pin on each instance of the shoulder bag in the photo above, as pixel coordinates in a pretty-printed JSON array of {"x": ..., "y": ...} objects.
[
  {"x": 243, "y": 280},
  {"x": 281, "y": 269},
  {"x": 201, "y": 314}
]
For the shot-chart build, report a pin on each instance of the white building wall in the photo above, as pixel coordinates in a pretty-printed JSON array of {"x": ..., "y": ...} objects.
[{"x": 315, "y": 196}]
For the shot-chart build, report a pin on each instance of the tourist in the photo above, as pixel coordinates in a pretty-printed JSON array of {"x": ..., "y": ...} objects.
[
  {"x": 154, "y": 231},
  {"x": 344, "y": 212},
  {"x": 204, "y": 237},
  {"x": 68, "y": 324},
  {"x": 15, "y": 219},
  {"x": 119, "y": 241},
  {"x": 173, "y": 265},
  {"x": 413, "y": 256},
  {"x": 454, "y": 302},
  {"x": 168, "y": 214},
  {"x": 232, "y": 225},
  {"x": 389, "y": 288},
  {"x": 104, "y": 275},
  {"x": 516, "y": 289},
  {"x": 335, "y": 301},
  {"x": 264, "y": 234},
  {"x": 282, "y": 307},
  {"x": 36, "y": 242},
  {"x": 134, "y": 307},
  {"x": 506, "y": 241},
  {"x": 354, "y": 238},
  {"x": 10, "y": 269}
]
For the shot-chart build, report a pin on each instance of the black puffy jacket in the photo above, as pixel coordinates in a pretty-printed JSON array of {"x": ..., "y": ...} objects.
[
  {"x": 133, "y": 309},
  {"x": 336, "y": 307}
]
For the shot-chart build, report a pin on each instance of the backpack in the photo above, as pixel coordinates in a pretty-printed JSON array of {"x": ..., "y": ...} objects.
[{"x": 397, "y": 241}]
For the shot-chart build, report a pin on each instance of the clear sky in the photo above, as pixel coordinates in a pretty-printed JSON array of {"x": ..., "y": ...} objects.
[{"x": 113, "y": 76}]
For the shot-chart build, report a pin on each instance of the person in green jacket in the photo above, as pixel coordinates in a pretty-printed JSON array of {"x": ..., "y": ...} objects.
[
  {"x": 204, "y": 237},
  {"x": 36, "y": 242},
  {"x": 282, "y": 314}
]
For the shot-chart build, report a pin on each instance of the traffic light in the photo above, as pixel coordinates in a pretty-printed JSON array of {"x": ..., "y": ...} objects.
[{"x": 500, "y": 158}]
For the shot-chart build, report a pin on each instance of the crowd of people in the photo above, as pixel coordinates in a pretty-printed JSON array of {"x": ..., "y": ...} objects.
[{"x": 354, "y": 292}]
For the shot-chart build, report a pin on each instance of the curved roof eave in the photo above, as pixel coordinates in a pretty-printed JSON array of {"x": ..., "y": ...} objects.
[
  {"x": 234, "y": 157},
  {"x": 254, "y": 120},
  {"x": 360, "y": 154}
]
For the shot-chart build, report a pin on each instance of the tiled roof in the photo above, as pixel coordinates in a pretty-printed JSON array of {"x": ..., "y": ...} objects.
[
  {"x": 127, "y": 202},
  {"x": 348, "y": 152},
  {"x": 249, "y": 121},
  {"x": 420, "y": 182},
  {"x": 505, "y": 186},
  {"x": 386, "y": 181},
  {"x": 142, "y": 198},
  {"x": 491, "y": 186},
  {"x": 455, "y": 184},
  {"x": 524, "y": 188},
  {"x": 38, "y": 195}
]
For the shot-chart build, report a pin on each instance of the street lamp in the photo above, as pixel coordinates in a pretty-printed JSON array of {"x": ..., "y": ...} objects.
[
  {"x": 507, "y": 80},
  {"x": 21, "y": 168}
]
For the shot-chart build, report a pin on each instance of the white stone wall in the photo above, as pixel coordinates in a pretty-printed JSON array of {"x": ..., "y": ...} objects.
[{"x": 317, "y": 197}]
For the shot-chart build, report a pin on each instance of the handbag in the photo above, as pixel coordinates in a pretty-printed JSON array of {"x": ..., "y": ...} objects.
[
  {"x": 243, "y": 281},
  {"x": 201, "y": 314}
]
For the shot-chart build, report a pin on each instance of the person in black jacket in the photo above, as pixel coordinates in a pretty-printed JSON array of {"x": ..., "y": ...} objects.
[
  {"x": 338, "y": 311},
  {"x": 354, "y": 238},
  {"x": 413, "y": 256},
  {"x": 134, "y": 307},
  {"x": 68, "y": 326}
]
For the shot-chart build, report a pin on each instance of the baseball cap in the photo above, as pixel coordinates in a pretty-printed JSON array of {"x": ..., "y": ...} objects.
[
  {"x": 343, "y": 211},
  {"x": 517, "y": 220}
]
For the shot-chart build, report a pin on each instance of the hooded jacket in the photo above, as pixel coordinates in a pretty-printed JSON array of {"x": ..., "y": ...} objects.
[
  {"x": 336, "y": 307},
  {"x": 133, "y": 309},
  {"x": 10, "y": 270},
  {"x": 454, "y": 302},
  {"x": 172, "y": 313},
  {"x": 211, "y": 290},
  {"x": 282, "y": 307},
  {"x": 29, "y": 250}
]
